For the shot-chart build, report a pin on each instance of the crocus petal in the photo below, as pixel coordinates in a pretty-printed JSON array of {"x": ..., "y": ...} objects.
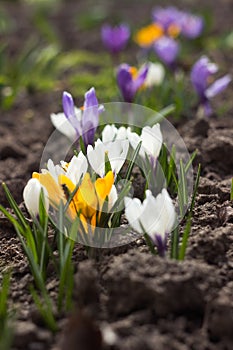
[
  {"x": 54, "y": 170},
  {"x": 109, "y": 133},
  {"x": 31, "y": 196},
  {"x": 112, "y": 197},
  {"x": 152, "y": 140},
  {"x": 96, "y": 158},
  {"x": 167, "y": 50},
  {"x": 90, "y": 118},
  {"x": 218, "y": 86},
  {"x": 69, "y": 111},
  {"x": 77, "y": 168},
  {"x": 61, "y": 123},
  {"x": 141, "y": 77},
  {"x": 134, "y": 140},
  {"x": 117, "y": 153}
]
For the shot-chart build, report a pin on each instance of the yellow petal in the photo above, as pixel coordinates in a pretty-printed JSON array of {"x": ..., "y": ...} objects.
[
  {"x": 146, "y": 36},
  {"x": 68, "y": 187},
  {"x": 86, "y": 197},
  {"x": 55, "y": 192},
  {"x": 103, "y": 186}
]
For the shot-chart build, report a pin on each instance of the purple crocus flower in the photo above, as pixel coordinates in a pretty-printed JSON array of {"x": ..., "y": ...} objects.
[
  {"x": 167, "y": 50},
  {"x": 166, "y": 16},
  {"x": 85, "y": 125},
  {"x": 202, "y": 70},
  {"x": 115, "y": 38},
  {"x": 129, "y": 80}
]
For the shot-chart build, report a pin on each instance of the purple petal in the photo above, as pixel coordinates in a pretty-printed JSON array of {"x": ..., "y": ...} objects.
[
  {"x": 90, "y": 98},
  {"x": 167, "y": 50},
  {"x": 191, "y": 26},
  {"x": 88, "y": 134},
  {"x": 200, "y": 73},
  {"x": 207, "y": 108},
  {"x": 160, "y": 243},
  {"x": 139, "y": 81},
  {"x": 69, "y": 111},
  {"x": 68, "y": 105},
  {"x": 90, "y": 117},
  {"x": 115, "y": 38},
  {"x": 218, "y": 86},
  {"x": 124, "y": 81}
]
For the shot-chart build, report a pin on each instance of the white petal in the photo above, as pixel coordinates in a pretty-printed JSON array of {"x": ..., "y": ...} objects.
[
  {"x": 134, "y": 140},
  {"x": 96, "y": 157},
  {"x": 117, "y": 153},
  {"x": 77, "y": 168},
  {"x": 62, "y": 124},
  {"x": 112, "y": 197},
  {"x": 152, "y": 140},
  {"x": 109, "y": 133},
  {"x": 54, "y": 170},
  {"x": 133, "y": 211}
]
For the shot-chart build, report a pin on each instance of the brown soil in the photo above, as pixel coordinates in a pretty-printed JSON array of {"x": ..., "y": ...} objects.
[{"x": 137, "y": 300}]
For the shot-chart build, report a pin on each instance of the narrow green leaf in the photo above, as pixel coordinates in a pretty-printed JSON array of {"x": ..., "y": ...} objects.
[{"x": 185, "y": 238}]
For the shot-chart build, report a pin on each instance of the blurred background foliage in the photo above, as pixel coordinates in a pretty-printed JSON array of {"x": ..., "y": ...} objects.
[{"x": 45, "y": 47}]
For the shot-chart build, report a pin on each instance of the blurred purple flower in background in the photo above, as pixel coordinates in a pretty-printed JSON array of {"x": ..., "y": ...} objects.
[
  {"x": 191, "y": 25},
  {"x": 115, "y": 38},
  {"x": 167, "y": 50},
  {"x": 175, "y": 21},
  {"x": 202, "y": 70},
  {"x": 166, "y": 16},
  {"x": 129, "y": 80}
]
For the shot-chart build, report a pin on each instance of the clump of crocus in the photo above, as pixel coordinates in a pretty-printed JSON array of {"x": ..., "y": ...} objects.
[
  {"x": 115, "y": 38},
  {"x": 161, "y": 35},
  {"x": 201, "y": 73},
  {"x": 72, "y": 185},
  {"x": 130, "y": 80},
  {"x": 154, "y": 217},
  {"x": 76, "y": 122}
]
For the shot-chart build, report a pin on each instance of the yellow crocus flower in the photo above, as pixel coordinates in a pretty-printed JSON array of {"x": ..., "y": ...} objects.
[{"x": 146, "y": 36}]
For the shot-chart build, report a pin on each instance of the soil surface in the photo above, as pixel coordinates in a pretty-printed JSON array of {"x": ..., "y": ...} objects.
[{"x": 128, "y": 299}]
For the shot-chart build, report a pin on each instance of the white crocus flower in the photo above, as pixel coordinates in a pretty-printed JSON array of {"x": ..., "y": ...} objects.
[
  {"x": 151, "y": 138},
  {"x": 112, "y": 133},
  {"x": 116, "y": 151},
  {"x": 31, "y": 196},
  {"x": 155, "y": 215},
  {"x": 155, "y": 74},
  {"x": 62, "y": 124}
]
